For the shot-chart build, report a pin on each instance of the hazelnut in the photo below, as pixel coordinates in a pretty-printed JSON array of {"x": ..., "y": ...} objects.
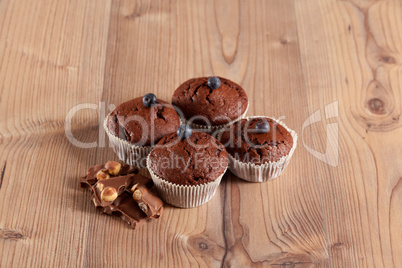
[
  {"x": 109, "y": 194},
  {"x": 143, "y": 207},
  {"x": 134, "y": 187},
  {"x": 102, "y": 175},
  {"x": 137, "y": 195},
  {"x": 113, "y": 167},
  {"x": 99, "y": 186}
]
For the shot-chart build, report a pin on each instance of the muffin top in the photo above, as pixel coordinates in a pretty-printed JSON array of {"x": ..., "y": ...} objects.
[
  {"x": 140, "y": 125},
  {"x": 247, "y": 142},
  {"x": 220, "y": 105},
  {"x": 196, "y": 160}
]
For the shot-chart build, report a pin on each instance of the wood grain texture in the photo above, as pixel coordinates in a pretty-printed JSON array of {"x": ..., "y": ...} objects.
[
  {"x": 357, "y": 46},
  {"x": 296, "y": 60}
]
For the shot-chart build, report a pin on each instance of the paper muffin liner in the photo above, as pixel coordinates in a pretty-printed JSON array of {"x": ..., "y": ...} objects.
[
  {"x": 185, "y": 196},
  {"x": 127, "y": 152},
  {"x": 267, "y": 171},
  {"x": 213, "y": 129}
]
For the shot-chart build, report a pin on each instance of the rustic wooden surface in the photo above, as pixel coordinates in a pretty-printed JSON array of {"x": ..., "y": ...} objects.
[{"x": 340, "y": 58}]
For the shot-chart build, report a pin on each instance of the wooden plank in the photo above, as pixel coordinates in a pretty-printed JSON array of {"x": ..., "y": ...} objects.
[
  {"x": 280, "y": 222},
  {"x": 52, "y": 56},
  {"x": 151, "y": 49},
  {"x": 350, "y": 52}
]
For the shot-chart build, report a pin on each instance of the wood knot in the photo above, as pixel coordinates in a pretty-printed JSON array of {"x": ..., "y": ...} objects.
[
  {"x": 290, "y": 264},
  {"x": 201, "y": 243},
  {"x": 133, "y": 15},
  {"x": 291, "y": 260},
  {"x": 284, "y": 41},
  {"x": 387, "y": 59},
  {"x": 376, "y": 106},
  {"x": 203, "y": 246},
  {"x": 379, "y": 109},
  {"x": 337, "y": 245},
  {"x": 10, "y": 235}
]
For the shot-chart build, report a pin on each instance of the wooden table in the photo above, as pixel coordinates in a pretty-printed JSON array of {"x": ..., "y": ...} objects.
[{"x": 330, "y": 69}]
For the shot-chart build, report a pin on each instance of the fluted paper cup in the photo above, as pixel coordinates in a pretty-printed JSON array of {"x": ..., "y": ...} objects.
[
  {"x": 264, "y": 172},
  {"x": 184, "y": 196},
  {"x": 127, "y": 152}
]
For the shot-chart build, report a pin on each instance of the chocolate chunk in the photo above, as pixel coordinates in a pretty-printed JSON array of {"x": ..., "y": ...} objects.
[
  {"x": 125, "y": 207},
  {"x": 148, "y": 202},
  {"x": 119, "y": 184},
  {"x": 116, "y": 186},
  {"x": 90, "y": 179},
  {"x": 111, "y": 193}
]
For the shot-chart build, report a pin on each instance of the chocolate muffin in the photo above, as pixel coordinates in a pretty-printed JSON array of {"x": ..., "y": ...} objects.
[
  {"x": 259, "y": 148},
  {"x": 137, "y": 124},
  {"x": 187, "y": 167},
  {"x": 216, "y": 99},
  {"x": 134, "y": 127},
  {"x": 248, "y": 141},
  {"x": 197, "y": 160}
]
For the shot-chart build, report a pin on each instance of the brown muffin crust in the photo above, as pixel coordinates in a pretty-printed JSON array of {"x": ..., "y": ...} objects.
[
  {"x": 246, "y": 145},
  {"x": 132, "y": 121},
  {"x": 197, "y": 160},
  {"x": 219, "y": 106}
]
